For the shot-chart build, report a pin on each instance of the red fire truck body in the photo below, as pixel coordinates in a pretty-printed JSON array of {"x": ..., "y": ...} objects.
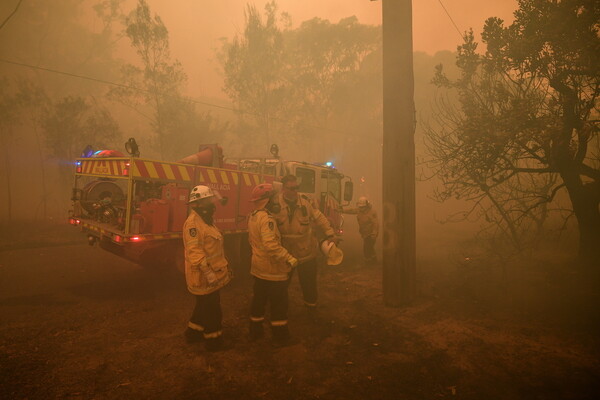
[{"x": 136, "y": 207}]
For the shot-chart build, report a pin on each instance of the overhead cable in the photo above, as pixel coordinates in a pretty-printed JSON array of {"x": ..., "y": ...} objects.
[
  {"x": 451, "y": 20},
  {"x": 153, "y": 92}
]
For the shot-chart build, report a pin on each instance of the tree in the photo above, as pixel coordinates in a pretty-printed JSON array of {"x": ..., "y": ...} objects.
[
  {"x": 154, "y": 87},
  {"x": 528, "y": 120},
  {"x": 10, "y": 108},
  {"x": 70, "y": 124},
  {"x": 63, "y": 35},
  {"x": 326, "y": 59},
  {"x": 20, "y": 103},
  {"x": 254, "y": 65},
  {"x": 294, "y": 80},
  {"x": 35, "y": 106}
]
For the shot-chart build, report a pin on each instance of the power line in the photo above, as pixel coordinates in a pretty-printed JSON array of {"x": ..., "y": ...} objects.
[
  {"x": 451, "y": 20},
  {"x": 151, "y": 92},
  {"x": 11, "y": 14},
  {"x": 108, "y": 82}
]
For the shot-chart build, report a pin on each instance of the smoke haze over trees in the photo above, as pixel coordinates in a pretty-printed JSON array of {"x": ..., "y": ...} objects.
[
  {"x": 313, "y": 87},
  {"x": 290, "y": 83}
]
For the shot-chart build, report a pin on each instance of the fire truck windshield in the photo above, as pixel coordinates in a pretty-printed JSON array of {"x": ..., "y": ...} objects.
[{"x": 331, "y": 184}]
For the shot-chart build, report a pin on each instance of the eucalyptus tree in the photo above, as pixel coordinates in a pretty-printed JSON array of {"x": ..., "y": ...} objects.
[{"x": 289, "y": 82}]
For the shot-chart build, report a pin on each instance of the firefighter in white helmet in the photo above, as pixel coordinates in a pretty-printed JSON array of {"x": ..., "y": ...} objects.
[
  {"x": 271, "y": 267},
  {"x": 206, "y": 268},
  {"x": 368, "y": 226},
  {"x": 296, "y": 220}
]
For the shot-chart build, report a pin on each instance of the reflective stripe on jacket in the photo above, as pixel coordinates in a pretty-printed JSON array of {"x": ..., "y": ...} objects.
[
  {"x": 269, "y": 258},
  {"x": 297, "y": 228},
  {"x": 203, "y": 245}
]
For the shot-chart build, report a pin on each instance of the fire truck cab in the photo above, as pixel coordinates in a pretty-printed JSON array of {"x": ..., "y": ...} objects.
[{"x": 322, "y": 183}]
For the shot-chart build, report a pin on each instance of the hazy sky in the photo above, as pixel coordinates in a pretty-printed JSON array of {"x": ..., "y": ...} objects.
[{"x": 195, "y": 26}]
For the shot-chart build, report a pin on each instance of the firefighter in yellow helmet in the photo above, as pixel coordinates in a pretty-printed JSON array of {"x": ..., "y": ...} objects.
[
  {"x": 368, "y": 226},
  {"x": 296, "y": 221},
  {"x": 206, "y": 268},
  {"x": 271, "y": 267}
]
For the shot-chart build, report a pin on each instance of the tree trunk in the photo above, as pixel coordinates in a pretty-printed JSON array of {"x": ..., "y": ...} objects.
[
  {"x": 43, "y": 172},
  {"x": 585, "y": 200},
  {"x": 8, "y": 182}
]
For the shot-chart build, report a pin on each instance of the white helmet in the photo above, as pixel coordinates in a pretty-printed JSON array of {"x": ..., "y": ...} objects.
[
  {"x": 332, "y": 253},
  {"x": 362, "y": 201},
  {"x": 200, "y": 192}
]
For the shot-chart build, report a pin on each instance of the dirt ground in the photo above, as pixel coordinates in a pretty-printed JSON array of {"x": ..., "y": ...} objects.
[{"x": 79, "y": 323}]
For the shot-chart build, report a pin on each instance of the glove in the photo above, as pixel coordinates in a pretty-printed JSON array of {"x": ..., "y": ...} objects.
[
  {"x": 292, "y": 262},
  {"x": 209, "y": 274},
  {"x": 334, "y": 239}
]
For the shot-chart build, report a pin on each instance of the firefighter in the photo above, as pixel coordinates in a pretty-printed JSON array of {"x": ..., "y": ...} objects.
[
  {"x": 296, "y": 221},
  {"x": 368, "y": 226},
  {"x": 271, "y": 267},
  {"x": 206, "y": 269}
]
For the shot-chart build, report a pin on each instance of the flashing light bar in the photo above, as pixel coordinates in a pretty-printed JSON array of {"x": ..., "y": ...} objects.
[{"x": 329, "y": 164}]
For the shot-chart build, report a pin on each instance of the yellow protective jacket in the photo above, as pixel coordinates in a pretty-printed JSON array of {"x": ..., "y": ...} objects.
[
  {"x": 270, "y": 261},
  {"x": 204, "y": 252},
  {"x": 297, "y": 227},
  {"x": 368, "y": 224}
]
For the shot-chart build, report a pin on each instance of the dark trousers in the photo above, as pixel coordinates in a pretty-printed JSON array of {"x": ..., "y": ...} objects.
[
  {"x": 307, "y": 275},
  {"x": 207, "y": 313},
  {"x": 369, "y": 248},
  {"x": 274, "y": 293}
]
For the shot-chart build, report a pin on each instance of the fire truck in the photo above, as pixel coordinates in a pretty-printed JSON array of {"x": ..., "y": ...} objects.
[{"x": 135, "y": 207}]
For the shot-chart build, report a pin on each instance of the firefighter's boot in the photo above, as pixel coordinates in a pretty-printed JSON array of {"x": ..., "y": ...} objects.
[
  {"x": 256, "y": 330},
  {"x": 281, "y": 336}
]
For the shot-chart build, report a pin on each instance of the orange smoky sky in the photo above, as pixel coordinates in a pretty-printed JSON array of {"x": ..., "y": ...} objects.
[{"x": 196, "y": 26}]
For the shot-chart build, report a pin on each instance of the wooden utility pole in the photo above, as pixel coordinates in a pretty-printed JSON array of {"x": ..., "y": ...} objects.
[{"x": 399, "y": 221}]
